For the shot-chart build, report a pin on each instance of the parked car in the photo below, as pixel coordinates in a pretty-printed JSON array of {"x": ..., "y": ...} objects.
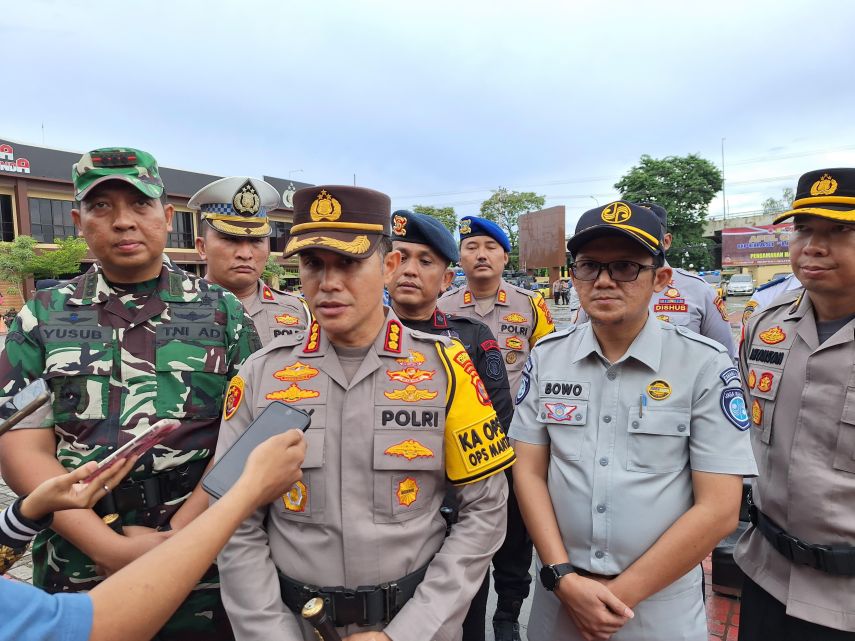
[{"x": 740, "y": 285}]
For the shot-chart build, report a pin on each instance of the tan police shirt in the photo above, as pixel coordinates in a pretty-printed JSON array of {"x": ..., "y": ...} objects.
[
  {"x": 801, "y": 398},
  {"x": 381, "y": 448},
  {"x": 276, "y": 313},
  {"x": 518, "y": 319}
]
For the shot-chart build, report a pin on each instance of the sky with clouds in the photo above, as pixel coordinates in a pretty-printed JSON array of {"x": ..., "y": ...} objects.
[{"x": 437, "y": 103}]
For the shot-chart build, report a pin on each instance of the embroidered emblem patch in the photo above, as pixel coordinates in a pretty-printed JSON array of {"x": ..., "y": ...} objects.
[
  {"x": 266, "y": 293},
  {"x": 409, "y": 449},
  {"x": 616, "y": 213},
  {"x": 825, "y": 186},
  {"x": 296, "y": 498},
  {"x": 293, "y": 394},
  {"x": 493, "y": 368},
  {"x": 675, "y": 308},
  {"x": 659, "y": 390},
  {"x": 465, "y": 226},
  {"x": 525, "y": 385},
  {"x": 664, "y": 318},
  {"x": 512, "y": 342},
  {"x": 414, "y": 359},
  {"x": 325, "y": 207},
  {"x": 756, "y": 412},
  {"x": 408, "y": 491},
  {"x": 393, "y": 337},
  {"x": 765, "y": 382},
  {"x": 516, "y": 319},
  {"x": 410, "y": 375},
  {"x": 286, "y": 319},
  {"x": 502, "y": 296},
  {"x": 234, "y": 396},
  {"x": 462, "y": 359},
  {"x": 722, "y": 308},
  {"x": 749, "y": 309},
  {"x": 511, "y": 358},
  {"x": 399, "y": 225},
  {"x": 467, "y": 297},
  {"x": 542, "y": 305},
  {"x": 733, "y": 406},
  {"x": 773, "y": 336},
  {"x": 297, "y": 372},
  {"x": 728, "y": 375},
  {"x": 410, "y": 394},
  {"x": 672, "y": 292},
  {"x": 489, "y": 344},
  {"x": 752, "y": 379},
  {"x": 560, "y": 411},
  {"x": 246, "y": 201}
]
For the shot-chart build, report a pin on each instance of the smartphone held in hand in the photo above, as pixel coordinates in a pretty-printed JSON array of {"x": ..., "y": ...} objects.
[{"x": 139, "y": 445}]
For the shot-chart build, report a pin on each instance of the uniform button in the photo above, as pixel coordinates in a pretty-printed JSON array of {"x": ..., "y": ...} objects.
[
  {"x": 604, "y": 461},
  {"x": 635, "y": 425},
  {"x": 611, "y": 376},
  {"x": 607, "y": 419},
  {"x": 601, "y": 508},
  {"x": 681, "y": 428},
  {"x": 599, "y": 554}
]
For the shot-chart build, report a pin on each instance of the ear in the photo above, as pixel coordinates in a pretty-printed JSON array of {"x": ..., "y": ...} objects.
[
  {"x": 507, "y": 257},
  {"x": 661, "y": 278},
  {"x": 200, "y": 248},
  {"x": 447, "y": 277},
  {"x": 75, "y": 217},
  {"x": 168, "y": 213},
  {"x": 391, "y": 262}
]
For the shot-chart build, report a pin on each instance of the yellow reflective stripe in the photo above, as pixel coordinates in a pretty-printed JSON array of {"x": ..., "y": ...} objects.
[
  {"x": 843, "y": 216},
  {"x": 819, "y": 200},
  {"x": 639, "y": 232},
  {"x": 235, "y": 219},
  {"x": 342, "y": 226}
]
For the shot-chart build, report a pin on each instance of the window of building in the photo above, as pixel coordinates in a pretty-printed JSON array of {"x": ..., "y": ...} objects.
[
  {"x": 50, "y": 219},
  {"x": 279, "y": 236},
  {"x": 7, "y": 226},
  {"x": 181, "y": 235}
]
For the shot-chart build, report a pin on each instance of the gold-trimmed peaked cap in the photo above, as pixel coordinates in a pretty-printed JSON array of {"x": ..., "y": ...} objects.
[
  {"x": 827, "y": 193},
  {"x": 346, "y": 220},
  {"x": 620, "y": 218},
  {"x": 237, "y": 206}
]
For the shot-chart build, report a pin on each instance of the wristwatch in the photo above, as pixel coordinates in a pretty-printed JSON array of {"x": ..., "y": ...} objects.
[{"x": 551, "y": 574}]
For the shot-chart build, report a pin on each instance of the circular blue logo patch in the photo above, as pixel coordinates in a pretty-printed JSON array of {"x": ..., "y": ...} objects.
[
  {"x": 734, "y": 408},
  {"x": 525, "y": 384}
]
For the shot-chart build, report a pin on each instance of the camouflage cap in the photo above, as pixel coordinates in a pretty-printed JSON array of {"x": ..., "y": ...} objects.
[
  {"x": 117, "y": 163},
  {"x": 237, "y": 206}
]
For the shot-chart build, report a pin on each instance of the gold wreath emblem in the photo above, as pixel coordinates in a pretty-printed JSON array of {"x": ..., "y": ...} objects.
[
  {"x": 325, "y": 207},
  {"x": 358, "y": 245},
  {"x": 616, "y": 213},
  {"x": 246, "y": 201},
  {"x": 825, "y": 186}
]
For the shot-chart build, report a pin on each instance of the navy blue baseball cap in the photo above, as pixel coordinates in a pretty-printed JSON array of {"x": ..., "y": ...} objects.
[
  {"x": 409, "y": 227},
  {"x": 475, "y": 226},
  {"x": 619, "y": 218},
  {"x": 660, "y": 211}
]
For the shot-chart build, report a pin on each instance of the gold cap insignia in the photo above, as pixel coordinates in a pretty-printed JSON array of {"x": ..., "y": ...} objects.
[
  {"x": 296, "y": 372},
  {"x": 409, "y": 449},
  {"x": 659, "y": 390},
  {"x": 325, "y": 207},
  {"x": 246, "y": 201},
  {"x": 408, "y": 491},
  {"x": 465, "y": 226},
  {"x": 825, "y": 186},
  {"x": 292, "y": 395},
  {"x": 410, "y": 394},
  {"x": 773, "y": 336},
  {"x": 399, "y": 225},
  {"x": 616, "y": 213}
]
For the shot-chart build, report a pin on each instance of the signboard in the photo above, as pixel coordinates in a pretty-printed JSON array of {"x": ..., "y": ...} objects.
[
  {"x": 542, "y": 242},
  {"x": 759, "y": 245},
  {"x": 10, "y": 164}
]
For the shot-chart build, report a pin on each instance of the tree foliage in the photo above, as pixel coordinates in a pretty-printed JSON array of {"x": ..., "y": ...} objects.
[
  {"x": 19, "y": 260},
  {"x": 777, "y": 205},
  {"x": 685, "y": 186},
  {"x": 16, "y": 260},
  {"x": 504, "y": 208},
  {"x": 445, "y": 215},
  {"x": 272, "y": 269}
]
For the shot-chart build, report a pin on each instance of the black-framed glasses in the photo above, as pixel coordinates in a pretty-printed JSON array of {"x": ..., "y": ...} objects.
[{"x": 622, "y": 271}]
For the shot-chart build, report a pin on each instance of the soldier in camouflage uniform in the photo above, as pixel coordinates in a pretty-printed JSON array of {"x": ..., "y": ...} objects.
[
  {"x": 133, "y": 340},
  {"x": 234, "y": 242}
]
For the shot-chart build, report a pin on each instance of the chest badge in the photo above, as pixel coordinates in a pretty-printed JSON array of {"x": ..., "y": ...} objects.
[
  {"x": 560, "y": 411},
  {"x": 410, "y": 375},
  {"x": 517, "y": 319},
  {"x": 664, "y": 318},
  {"x": 410, "y": 394},
  {"x": 672, "y": 292},
  {"x": 293, "y": 394},
  {"x": 297, "y": 372},
  {"x": 296, "y": 498},
  {"x": 659, "y": 390},
  {"x": 409, "y": 449},
  {"x": 756, "y": 412},
  {"x": 765, "y": 382},
  {"x": 408, "y": 491},
  {"x": 286, "y": 319},
  {"x": 513, "y": 343},
  {"x": 752, "y": 379},
  {"x": 511, "y": 358},
  {"x": 773, "y": 336}
]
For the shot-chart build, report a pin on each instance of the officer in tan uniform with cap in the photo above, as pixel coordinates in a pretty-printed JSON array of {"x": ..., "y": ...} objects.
[
  {"x": 631, "y": 440},
  {"x": 397, "y": 415},
  {"x": 798, "y": 369},
  {"x": 235, "y": 244}
]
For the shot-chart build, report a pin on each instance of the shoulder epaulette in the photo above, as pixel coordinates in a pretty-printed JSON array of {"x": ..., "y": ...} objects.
[
  {"x": 773, "y": 282},
  {"x": 556, "y": 335},
  {"x": 283, "y": 340},
  {"x": 695, "y": 337},
  {"x": 689, "y": 274}
]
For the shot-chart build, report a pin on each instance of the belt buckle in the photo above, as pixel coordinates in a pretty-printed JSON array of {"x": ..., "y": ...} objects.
[
  {"x": 801, "y": 552},
  {"x": 390, "y": 600},
  {"x": 343, "y": 607}
]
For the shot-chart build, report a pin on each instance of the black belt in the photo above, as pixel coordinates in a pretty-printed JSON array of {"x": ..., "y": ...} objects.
[
  {"x": 831, "y": 559},
  {"x": 144, "y": 494},
  {"x": 366, "y": 605}
]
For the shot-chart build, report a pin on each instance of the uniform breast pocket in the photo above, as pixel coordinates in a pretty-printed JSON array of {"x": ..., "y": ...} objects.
[
  {"x": 191, "y": 378},
  {"x": 658, "y": 442},
  {"x": 409, "y": 473},
  {"x": 566, "y": 421},
  {"x": 844, "y": 455},
  {"x": 79, "y": 378},
  {"x": 306, "y": 498}
]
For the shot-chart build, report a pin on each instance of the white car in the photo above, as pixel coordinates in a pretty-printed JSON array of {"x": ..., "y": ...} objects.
[{"x": 740, "y": 285}]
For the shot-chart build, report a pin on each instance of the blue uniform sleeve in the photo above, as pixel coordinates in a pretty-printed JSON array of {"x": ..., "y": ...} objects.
[{"x": 28, "y": 614}]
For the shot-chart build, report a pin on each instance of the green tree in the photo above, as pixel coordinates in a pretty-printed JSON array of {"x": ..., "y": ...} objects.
[
  {"x": 685, "y": 186},
  {"x": 272, "y": 269},
  {"x": 445, "y": 215},
  {"x": 504, "y": 207},
  {"x": 63, "y": 260},
  {"x": 16, "y": 260},
  {"x": 19, "y": 260},
  {"x": 777, "y": 205}
]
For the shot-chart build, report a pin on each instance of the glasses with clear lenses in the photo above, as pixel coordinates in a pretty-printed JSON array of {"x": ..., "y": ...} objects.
[{"x": 622, "y": 271}]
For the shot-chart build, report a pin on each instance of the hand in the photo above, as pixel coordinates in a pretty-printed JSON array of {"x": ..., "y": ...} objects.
[
  {"x": 124, "y": 549},
  {"x": 595, "y": 610},
  {"x": 367, "y": 636},
  {"x": 67, "y": 492},
  {"x": 273, "y": 467}
]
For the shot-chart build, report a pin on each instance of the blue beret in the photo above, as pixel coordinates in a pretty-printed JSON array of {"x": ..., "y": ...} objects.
[
  {"x": 425, "y": 230},
  {"x": 475, "y": 226}
]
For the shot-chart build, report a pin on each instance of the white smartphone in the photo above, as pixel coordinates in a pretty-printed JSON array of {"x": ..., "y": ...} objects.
[{"x": 140, "y": 444}]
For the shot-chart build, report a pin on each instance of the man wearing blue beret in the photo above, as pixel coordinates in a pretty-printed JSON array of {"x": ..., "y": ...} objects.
[{"x": 518, "y": 318}]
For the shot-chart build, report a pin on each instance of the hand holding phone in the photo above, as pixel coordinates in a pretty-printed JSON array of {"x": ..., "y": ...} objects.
[{"x": 139, "y": 445}]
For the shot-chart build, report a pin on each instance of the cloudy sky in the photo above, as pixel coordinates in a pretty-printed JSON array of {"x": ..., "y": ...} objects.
[{"x": 439, "y": 102}]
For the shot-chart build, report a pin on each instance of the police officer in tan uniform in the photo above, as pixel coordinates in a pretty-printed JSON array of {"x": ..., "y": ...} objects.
[
  {"x": 235, "y": 244},
  {"x": 798, "y": 369},
  {"x": 397, "y": 415},
  {"x": 518, "y": 318}
]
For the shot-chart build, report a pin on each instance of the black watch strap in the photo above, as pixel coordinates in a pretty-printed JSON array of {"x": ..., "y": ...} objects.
[{"x": 550, "y": 574}]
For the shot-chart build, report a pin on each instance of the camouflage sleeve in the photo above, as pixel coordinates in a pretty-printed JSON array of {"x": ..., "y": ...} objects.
[
  {"x": 543, "y": 324},
  {"x": 243, "y": 338},
  {"x": 23, "y": 358}
]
